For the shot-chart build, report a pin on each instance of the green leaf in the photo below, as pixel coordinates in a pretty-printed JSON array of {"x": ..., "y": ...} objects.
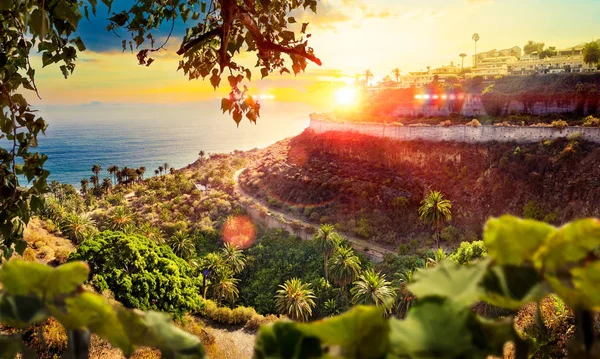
[
  {"x": 203, "y": 7},
  {"x": 572, "y": 243},
  {"x": 512, "y": 287},
  {"x": 248, "y": 74},
  {"x": 448, "y": 279},
  {"x": 93, "y": 312},
  {"x": 79, "y": 43},
  {"x": 512, "y": 241},
  {"x": 495, "y": 333},
  {"x": 432, "y": 329},
  {"x": 23, "y": 278},
  {"x": 21, "y": 311},
  {"x": 66, "y": 278},
  {"x": 362, "y": 332},
  {"x": 158, "y": 331},
  {"x": 286, "y": 340},
  {"x": 38, "y": 25}
]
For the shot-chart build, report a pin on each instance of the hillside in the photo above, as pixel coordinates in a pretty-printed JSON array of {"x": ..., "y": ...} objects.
[{"x": 372, "y": 188}]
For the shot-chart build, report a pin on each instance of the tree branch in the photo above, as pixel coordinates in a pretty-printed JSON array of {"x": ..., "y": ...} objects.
[
  {"x": 185, "y": 47},
  {"x": 266, "y": 45}
]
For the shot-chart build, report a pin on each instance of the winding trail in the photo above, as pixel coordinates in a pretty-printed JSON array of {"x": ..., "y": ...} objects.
[{"x": 373, "y": 251}]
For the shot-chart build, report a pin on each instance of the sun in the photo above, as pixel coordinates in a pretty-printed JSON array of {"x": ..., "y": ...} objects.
[{"x": 346, "y": 96}]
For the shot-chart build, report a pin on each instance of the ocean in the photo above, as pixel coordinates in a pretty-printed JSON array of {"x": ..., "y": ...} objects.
[{"x": 149, "y": 135}]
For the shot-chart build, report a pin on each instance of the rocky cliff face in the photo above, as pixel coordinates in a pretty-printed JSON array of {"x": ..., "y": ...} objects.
[{"x": 372, "y": 187}]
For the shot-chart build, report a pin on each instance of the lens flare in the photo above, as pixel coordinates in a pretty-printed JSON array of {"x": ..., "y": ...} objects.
[
  {"x": 239, "y": 231},
  {"x": 345, "y": 96}
]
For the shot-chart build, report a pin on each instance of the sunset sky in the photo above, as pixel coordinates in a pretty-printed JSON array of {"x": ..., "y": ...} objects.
[{"x": 348, "y": 35}]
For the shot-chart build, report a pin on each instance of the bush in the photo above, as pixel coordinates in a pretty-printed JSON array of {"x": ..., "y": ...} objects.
[
  {"x": 241, "y": 315},
  {"x": 140, "y": 273},
  {"x": 559, "y": 124},
  {"x": 468, "y": 252},
  {"x": 446, "y": 123},
  {"x": 256, "y": 321},
  {"x": 591, "y": 121}
]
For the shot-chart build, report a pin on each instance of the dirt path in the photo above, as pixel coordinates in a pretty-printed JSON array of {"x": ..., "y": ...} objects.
[{"x": 357, "y": 243}]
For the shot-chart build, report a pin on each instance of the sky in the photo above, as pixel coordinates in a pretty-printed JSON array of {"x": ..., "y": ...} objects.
[{"x": 349, "y": 36}]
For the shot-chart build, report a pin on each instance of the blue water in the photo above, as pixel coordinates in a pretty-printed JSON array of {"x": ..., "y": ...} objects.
[{"x": 150, "y": 135}]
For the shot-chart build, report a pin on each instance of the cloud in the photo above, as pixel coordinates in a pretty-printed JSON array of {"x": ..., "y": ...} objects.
[{"x": 386, "y": 14}]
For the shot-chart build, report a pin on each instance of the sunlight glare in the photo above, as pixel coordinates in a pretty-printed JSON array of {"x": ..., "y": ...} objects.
[{"x": 345, "y": 96}]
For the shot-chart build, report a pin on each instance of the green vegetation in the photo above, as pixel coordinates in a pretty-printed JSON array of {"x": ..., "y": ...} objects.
[
  {"x": 295, "y": 299},
  {"x": 140, "y": 273},
  {"x": 435, "y": 210}
]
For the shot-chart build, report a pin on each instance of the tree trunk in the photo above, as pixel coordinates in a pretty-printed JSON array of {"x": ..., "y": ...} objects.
[{"x": 325, "y": 267}]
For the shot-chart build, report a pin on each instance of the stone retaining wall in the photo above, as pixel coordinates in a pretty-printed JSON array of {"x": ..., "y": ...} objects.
[{"x": 519, "y": 134}]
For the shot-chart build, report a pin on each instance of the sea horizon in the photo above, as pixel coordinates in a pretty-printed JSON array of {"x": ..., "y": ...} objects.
[{"x": 137, "y": 134}]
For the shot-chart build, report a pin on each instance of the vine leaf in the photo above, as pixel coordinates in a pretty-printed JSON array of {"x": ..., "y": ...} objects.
[
  {"x": 362, "y": 332},
  {"x": 512, "y": 241},
  {"x": 23, "y": 278},
  {"x": 512, "y": 287},
  {"x": 432, "y": 329},
  {"x": 570, "y": 244},
  {"x": 460, "y": 284}
]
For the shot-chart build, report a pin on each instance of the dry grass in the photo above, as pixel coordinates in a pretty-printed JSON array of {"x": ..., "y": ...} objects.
[{"x": 43, "y": 246}]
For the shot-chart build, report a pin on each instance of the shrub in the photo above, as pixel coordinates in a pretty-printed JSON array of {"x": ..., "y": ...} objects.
[
  {"x": 473, "y": 123},
  {"x": 241, "y": 315},
  {"x": 446, "y": 123},
  {"x": 559, "y": 124},
  {"x": 450, "y": 234},
  {"x": 140, "y": 273},
  {"x": 591, "y": 121},
  {"x": 363, "y": 228},
  {"x": 468, "y": 252},
  {"x": 256, "y": 321},
  {"x": 533, "y": 211}
]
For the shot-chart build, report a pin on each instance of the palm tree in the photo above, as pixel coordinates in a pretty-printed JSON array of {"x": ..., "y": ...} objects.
[
  {"x": 120, "y": 218},
  {"x": 113, "y": 170},
  {"x": 428, "y": 69},
  {"x": 94, "y": 182},
  {"x": 84, "y": 186},
  {"x": 96, "y": 168},
  {"x": 182, "y": 244},
  {"x": 591, "y": 53},
  {"x": 233, "y": 257},
  {"x": 77, "y": 227},
  {"x": 106, "y": 184},
  {"x": 396, "y": 73},
  {"x": 295, "y": 299},
  {"x": 368, "y": 75},
  {"x": 475, "y": 38},
  {"x": 225, "y": 287},
  {"x": 156, "y": 172},
  {"x": 212, "y": 265},
  {"x": 140, "y": 172},
  {"x": 462, "y": 60},
  {"x": 160, "y": 169},
  {"x": 344, "y": 266},
  {"x": 327, "y": 240},
  {"x": 435, "y": 210},
  {"x": 201, "y": 155},
  {"x": 154, "y": 233},
  {"x": 166, "y": 167},
  {"x": 371, "y": 288},
  {"x": 172, "y": 170}
]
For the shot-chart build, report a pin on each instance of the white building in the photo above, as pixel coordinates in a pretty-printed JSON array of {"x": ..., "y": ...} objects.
[
  {"x": 566, "y": 60},
  {"x": 493, "y": 66}
]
